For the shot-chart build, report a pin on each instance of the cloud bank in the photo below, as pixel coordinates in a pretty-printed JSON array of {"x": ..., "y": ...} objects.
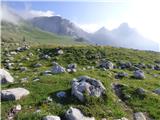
[
  {"x": 8, "y": 14},
  {"x": 28, "y": 14},
  {"x": 11, "y": 15}
]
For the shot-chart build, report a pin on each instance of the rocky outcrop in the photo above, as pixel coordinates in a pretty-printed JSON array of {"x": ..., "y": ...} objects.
[{"x": 83, "y": 84}]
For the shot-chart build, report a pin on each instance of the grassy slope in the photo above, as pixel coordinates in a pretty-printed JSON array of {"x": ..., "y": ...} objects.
[
  {"x": 15, "y": 33},
  {"x": 108, "y": 107}
]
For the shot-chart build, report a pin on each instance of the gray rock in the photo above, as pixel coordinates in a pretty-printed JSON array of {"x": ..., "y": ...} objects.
[
  {"x": 83, "y": 84},
  {"x": 25, "y": 58},
  {"x": 37, "y": 65},
  {"x": 139, "y": 74},
  {"x": 76, "y": 114},
  {"x": 51, "y": 117},
  {"x": 121, "y": 75},
  {"x": 57, "y": 68},
  {"x": 47, "y": 72},
  {"x": 106, "y": 64},
  {"x": 124, "y": 65},
  {"x": 23, "y": 69},
  {"x": 14, "y": 93},
  {"x": 9, "y": 65},
  {"x": 61, "y": 94},
  {"x": 140, "y": 91},
  {"x": 157, "y": 67},
  {"x": 46, "y": 57},
  {"x": 7, "y": 61},
  {"x": 157, "y": 91},
  {"x": 36, "y": 79},
  {"x": 23, "y": 48},
  {"x": 139, "y": 116},
  {"x": 5, "y": 77},
  {"x": 24, "y": 79},
  {"x": 72, "y": 68}
]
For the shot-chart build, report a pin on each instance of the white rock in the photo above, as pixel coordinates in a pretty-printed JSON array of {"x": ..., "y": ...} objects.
[
  {"x": 83, "y": 84},
  {"x": 60, "y": 52},
  {"x": 18, "y": 107},
  {"x": 68, "y": 70},
  {"x": 14, "y": 93},
  {"x": 123, "y": 118},
  {"x": 30, "y": 54},
  {"x": 13, "y": 53},
  {"x": 51, "y": 117},
  {"x": 83, "y": 68},
  {"x": 139, "y": 116},
  {"x": 76, "y": 114},
  {"x": 5, "y": 77}
]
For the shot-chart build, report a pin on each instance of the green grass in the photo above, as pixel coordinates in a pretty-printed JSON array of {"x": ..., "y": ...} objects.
[
  {"x": 12, "y": 34},
  {"x": 106, "y": 107}
]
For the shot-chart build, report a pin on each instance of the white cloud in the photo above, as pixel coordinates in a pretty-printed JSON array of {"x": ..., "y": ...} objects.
[
  {"x": 38, "y": 13},
  {"x": 90, "y": 27},
  {"x": 28, "y": 14},
  {"x": 8, "y": 15}
]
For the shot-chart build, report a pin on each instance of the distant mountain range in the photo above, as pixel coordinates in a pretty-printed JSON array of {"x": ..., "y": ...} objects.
[{"x": 123, "y": 36}]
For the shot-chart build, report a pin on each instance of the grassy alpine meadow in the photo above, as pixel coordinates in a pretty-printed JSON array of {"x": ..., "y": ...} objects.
[{"x": 34, "y": 106}]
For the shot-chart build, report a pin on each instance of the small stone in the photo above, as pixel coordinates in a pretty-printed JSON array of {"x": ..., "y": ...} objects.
[
  {"x": 139, "y": 74},
  {"x": 61, "y": 94},
  {"x": 22, "y": 69},
  {"x": 24, "y": 79},
  {"x": 18, "y": 107},
  {"x": 157, "y": 91},
  {"x": 51, "y": 117},
  {"x": 139, "y": 116}
]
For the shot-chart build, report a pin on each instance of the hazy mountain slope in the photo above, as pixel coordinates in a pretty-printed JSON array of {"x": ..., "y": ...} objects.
[
  {"x": 123, "y": 36},
  {"x": 58, "y": 25},
  {"x": 16, "y": 33},
  {"x": 103, "y": 37}
]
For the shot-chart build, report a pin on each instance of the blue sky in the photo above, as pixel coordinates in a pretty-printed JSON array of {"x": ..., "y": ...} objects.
[
  {"x": 82, "y": 12},
  {"x": 144, "y": 15}
]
